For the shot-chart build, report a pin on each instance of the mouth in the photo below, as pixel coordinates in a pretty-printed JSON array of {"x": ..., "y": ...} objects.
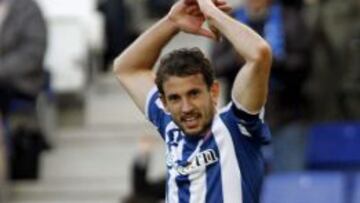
[{"x": 191, "y": 121}]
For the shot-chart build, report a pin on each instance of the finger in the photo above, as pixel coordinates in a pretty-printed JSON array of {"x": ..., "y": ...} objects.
[
  {"x": 215, "y": 31},
  {"x": 198, "y": 13},
  {"x": 223, "y": 4},
  {"x": 191, "y": 9},
  {"x": 190, "y": 2},
  {"x": 206, "y": 33},
  {"x": 217, "y": 3},
  {"x": 225, "y": 8},
  {"x": 195, "y": 12}
]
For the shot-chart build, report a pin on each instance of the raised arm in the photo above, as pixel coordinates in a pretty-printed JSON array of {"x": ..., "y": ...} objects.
[
  {"x": 134, "y": 66},
  {"x": 251, "y": 84}
]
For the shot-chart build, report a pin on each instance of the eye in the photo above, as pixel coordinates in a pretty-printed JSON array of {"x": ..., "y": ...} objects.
[
  {"x": 194, "y": 93},
  {"x": 173, "y": 98}
]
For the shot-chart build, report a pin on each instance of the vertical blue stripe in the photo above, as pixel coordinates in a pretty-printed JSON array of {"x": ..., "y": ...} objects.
[
  {"x": 183, "y": 181},
  {"x": 156, "y": 115},
  {"x": 167, "y": 186},
  {"x": 183, "y": 184},
  {"x": 214, "y": 193},
  {"x": 249, "y": 158}
]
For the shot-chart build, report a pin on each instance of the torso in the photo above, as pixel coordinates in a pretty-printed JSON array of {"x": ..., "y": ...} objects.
[{"x": 224, "y": 165}]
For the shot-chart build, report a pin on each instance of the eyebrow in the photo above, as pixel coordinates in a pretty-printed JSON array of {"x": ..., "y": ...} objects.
[
  {"x": 172, "y": 95},
  {"x": 194, "y": 90}
]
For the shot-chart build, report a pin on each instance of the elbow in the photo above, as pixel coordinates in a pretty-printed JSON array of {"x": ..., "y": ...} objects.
[
  {"x": 124, "y": 70},
  {"x": 263, "y": 53},
  {"x": 117, "y": 68}
]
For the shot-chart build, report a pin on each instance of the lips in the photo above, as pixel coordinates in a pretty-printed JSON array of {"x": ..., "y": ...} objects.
[{"x": 190, "y": 121}]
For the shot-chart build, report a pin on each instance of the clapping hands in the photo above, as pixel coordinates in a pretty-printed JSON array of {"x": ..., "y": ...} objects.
[{"x": 190, "y": 15}]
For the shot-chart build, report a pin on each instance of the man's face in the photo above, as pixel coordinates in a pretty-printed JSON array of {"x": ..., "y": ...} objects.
[{"x": 190, "y": 102}]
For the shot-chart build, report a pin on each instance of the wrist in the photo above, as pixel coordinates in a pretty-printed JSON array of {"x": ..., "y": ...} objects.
[
  {"x": 211, "y": 12},
  {"x": 170, "y": 21}
]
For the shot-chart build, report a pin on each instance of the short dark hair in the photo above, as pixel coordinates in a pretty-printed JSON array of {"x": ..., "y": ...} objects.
[{"x": 184, "y": 62}]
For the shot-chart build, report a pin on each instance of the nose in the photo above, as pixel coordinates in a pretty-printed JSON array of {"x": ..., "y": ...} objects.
[{"x": 186, "y": 106}]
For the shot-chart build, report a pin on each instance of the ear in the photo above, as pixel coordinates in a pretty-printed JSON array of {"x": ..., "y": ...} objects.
[{"x": 215, "y": 92}]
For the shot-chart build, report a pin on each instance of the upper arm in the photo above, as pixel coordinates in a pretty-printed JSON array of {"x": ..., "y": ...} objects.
[
  {"x": 250, "y": 87},
  {"x": 148, "y": 100},
  {"x": 138, "y": 86},
  {"x": 251, "y": 126},
  {"x": 251, "y": 83}
]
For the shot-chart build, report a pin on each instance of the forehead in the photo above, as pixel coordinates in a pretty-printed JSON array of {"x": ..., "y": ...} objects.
[{"x": 178, "y": 85}]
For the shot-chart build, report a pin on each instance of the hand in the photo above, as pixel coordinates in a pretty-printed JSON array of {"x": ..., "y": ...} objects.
[
  {"x": 187, "y": 16},
  {"x": 206, "y": 5}
]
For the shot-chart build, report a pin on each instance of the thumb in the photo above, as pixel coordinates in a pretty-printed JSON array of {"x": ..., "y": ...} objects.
[{"x": 216, "y": 32}]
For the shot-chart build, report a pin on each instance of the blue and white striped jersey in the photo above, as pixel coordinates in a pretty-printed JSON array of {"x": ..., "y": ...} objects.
[{"x": 224, "y": 166}]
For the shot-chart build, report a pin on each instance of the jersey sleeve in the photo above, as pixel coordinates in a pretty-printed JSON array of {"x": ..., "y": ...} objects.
[
  {"x": 252, "y": 126},
  {"x": 155, "y": 112}
]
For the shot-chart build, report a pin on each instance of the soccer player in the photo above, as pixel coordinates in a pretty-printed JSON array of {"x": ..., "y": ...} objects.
[{"x": 212, "y": 155}]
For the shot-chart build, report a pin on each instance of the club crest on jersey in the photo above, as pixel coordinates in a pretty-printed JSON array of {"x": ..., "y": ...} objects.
[{"x": 200, "y": 161}]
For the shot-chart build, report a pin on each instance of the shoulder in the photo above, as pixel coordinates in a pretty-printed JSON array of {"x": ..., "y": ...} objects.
[
  {"x": 17, "y": 4},
  {"x": 240, "y": 123},
  {"x": 155, "y": 111},
  {"x": 23, "y": 11},
  {"x": 153, "y": 102},
  {"x": 25, "y": 7},
  {"x": 237, "y": 111}
]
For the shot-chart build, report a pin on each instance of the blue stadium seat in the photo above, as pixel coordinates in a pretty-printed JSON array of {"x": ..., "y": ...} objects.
[
  {"x": 304, "y": 187},
  {"x": 334, "y": 146}
]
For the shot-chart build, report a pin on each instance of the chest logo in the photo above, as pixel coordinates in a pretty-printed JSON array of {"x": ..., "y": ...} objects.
[{"x": 200, "y": 161}]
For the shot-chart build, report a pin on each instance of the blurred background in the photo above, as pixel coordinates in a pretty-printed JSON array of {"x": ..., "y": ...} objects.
[{"x": 69, "y": 132}]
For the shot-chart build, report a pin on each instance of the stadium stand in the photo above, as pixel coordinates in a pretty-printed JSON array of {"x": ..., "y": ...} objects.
[
  {"x": 301, "y": 187},
  {"x": 334, "y": 146}
]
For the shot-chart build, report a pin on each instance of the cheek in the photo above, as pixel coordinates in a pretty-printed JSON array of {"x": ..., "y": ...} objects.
[
  {"x": 173, "y": 109},
  {"x": 208, "y": 107}
]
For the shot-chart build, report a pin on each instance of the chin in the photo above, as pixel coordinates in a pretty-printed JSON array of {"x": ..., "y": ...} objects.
[
  {"x": 194, "y": 132},
  {"x": 199, "y": 131}
]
